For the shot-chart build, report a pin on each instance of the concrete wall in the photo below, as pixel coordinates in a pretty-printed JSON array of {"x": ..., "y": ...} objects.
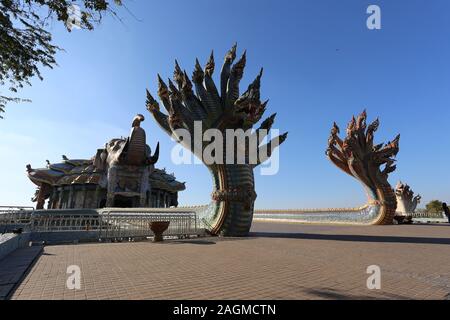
[
  {"x": 65, "y": 236},
  {"x": 11, "y": 242},
  {"x": 10, "y": 227}
]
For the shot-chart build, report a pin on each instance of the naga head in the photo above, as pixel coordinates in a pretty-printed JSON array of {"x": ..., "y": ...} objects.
[
  {"x": 358, "y": 156},
  {"x": 198, "y": 99},
  {"x": 407, "y": 201}
]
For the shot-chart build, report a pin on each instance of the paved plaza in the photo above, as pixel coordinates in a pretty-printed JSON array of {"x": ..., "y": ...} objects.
[{"x": 278, "y": 261}]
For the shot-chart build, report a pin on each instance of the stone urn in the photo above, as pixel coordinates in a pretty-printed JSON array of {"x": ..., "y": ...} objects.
[{"x": 158, "y": 228}]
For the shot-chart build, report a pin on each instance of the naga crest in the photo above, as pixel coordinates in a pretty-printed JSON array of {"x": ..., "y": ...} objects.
[
  {"x": 370, "y": 163},
  {"x": 217, "y": 108},
  {"x": 406, "y": 201}
]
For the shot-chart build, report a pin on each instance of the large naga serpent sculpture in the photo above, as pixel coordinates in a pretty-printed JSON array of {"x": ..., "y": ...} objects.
[
  {"x": 370, "y": 164},
  {"x": 357, "y": 156},
  {"x": 230, "y": 212}
]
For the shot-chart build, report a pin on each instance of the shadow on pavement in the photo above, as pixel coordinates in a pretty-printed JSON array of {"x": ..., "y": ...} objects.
[
  {"x": 332, "y": 294},
  {"x": 354, "y": 238},
  {"x": 447, "y": 225},
  {"x": 15, "y": 267},
  {"x": 200, "y": 242}
]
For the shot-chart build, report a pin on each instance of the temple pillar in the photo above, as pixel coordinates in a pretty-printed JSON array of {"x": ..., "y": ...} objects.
[
  {"x": 96, "y": 200},
  {"x": 143, "y": 200},
  {"x": 158, "y": 199},
  {"x": 175, "y": 199},
  {"x": 153, "y": 199},
  {"x": 64, "y": 195},
  {"x": 84, "y": 191},
  {"x": 112, "y": 183},
  {"x": 148, "y": 198},
  {"x": 69, "y": 202},
  {"x": 60, "y": 198},
  {"x": 57, "y": 200},
  {"x": 145, "y": 187},
  {"x": 51, "y": 199}
]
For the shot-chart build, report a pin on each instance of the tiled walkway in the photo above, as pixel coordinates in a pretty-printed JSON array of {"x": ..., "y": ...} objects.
[{"x": 279, "y": 261}]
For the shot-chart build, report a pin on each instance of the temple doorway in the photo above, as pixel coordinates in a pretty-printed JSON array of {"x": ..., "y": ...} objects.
[
  {"x": 102, "y": 203},
  {"x": 124, "y": 202}
]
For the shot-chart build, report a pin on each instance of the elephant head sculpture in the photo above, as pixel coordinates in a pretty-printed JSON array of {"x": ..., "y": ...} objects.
[{"x": 132, "y": 151}]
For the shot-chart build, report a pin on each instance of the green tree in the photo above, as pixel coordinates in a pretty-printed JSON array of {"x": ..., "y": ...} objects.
[
  {"x": 26, "y": 43},
  {"x": 434, "y": 206}
]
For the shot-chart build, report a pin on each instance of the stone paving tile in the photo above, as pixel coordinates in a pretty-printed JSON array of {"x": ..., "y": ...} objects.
[{"x": 279, "y": 261}]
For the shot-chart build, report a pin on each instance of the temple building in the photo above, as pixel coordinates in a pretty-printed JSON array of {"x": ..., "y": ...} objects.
[{"x": 122, "y": 174}]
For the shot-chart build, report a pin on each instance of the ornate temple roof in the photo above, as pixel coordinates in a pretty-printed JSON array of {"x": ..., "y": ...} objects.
[
  {"x": 130, "y": 151},
  {"x": 66, "y": 173},
  {"x": 83, "y": 171},
  {"x": 161, "y": 180}
]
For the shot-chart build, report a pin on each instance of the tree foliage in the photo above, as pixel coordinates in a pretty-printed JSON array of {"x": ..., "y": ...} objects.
[
  {"x": 26, "y": 43},
  {"x": 434, "y": 206}
]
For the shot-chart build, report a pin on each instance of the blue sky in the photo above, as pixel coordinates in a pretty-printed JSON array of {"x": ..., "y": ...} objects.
[{"x": 321, "y": 65}]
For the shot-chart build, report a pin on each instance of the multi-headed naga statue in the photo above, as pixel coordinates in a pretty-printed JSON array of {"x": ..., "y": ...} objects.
[
  {"x": 406, "y": 200},
  {"x": 231, "y": 210},
  {"x": 357, "y": 156}
]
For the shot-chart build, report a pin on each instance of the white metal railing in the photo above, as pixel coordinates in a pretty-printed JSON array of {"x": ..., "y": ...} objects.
[
  {"x": 49, "y": 222},
  {"x": 110, "y": 223},
  {"x": 14, "y": 208},
  {"x": 12, "y": 215},
  {"x": 422, "y": 214},
  {"x": 137, "y": 224}
]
